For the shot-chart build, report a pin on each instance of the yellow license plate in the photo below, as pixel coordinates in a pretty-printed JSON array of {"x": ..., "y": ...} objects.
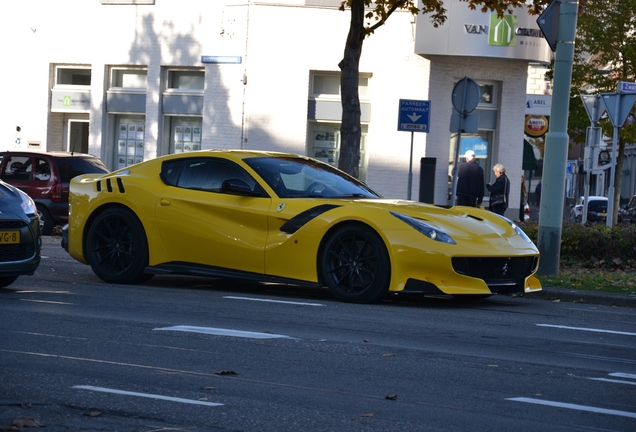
[
  {"x": 9, "y": 237},
  {"x": 602, "y": 214}
]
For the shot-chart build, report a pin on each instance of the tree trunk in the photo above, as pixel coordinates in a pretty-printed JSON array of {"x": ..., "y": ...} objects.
[{"x": 350, "y": 131}]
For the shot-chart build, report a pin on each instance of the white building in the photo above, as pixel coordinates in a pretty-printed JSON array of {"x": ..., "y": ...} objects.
[{"x": 129, "y": 80}]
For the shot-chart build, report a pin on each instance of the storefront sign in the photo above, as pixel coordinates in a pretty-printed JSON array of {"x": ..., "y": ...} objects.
[
  {"x": 536, "y": 125},
  {"x": 538, "y": 104},
  {"x": 477, "y": 34},
  {"x": 63, "y": 100}
]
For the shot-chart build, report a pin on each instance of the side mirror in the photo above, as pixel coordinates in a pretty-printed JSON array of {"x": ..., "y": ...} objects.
[{"x": 238, "y": 187}]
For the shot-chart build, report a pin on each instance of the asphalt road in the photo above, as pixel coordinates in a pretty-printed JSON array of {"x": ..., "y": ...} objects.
[{"x": 194, "y": 354}]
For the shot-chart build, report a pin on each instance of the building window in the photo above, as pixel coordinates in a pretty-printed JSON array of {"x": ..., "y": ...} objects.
[
  {"x": 129, "y": 78},
  {"x": 130, "y": 140},
  {"x": 325, "y": 114},
  {"x": 326, "y": 85},
  {"x": 184, "y": 133},
  {"x": 185, "y": 80},
  {"x": 73, "y": 76},
  {"x": 487, "y": 95}
]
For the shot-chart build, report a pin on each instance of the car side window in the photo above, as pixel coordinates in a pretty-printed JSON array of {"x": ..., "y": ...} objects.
[
  {"x": 206, "y": 174},
  {"x": 42, "y": 170},
  {"x": 17, "y": 168}
]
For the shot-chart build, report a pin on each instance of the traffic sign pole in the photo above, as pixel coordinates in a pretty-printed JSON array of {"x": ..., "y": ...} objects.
[
  {"x": 465, "y": 98},
  {"x": 556, "y": 143},
  {"x": 593, "y": 106},
  {"x": 413, "y": 116}
]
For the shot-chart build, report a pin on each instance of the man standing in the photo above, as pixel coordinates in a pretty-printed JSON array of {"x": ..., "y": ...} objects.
[{"x": 470, "y": 182}]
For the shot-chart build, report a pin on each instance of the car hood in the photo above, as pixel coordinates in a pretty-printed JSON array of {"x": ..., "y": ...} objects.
[{"x": 472, "y": 228}]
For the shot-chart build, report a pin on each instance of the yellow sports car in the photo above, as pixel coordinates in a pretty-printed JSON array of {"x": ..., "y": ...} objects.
[{"x": 275, "y": 217}]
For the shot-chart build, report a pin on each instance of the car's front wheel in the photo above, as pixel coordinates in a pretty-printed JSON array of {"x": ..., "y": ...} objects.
[
  {"x": 355, "y": 264},
  {"x": 117, "y": 248}
]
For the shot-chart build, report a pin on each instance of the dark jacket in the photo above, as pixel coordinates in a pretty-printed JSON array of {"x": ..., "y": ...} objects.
[
  {"x": 470, "y": 181},
  {"x": 501, "y": 185}
]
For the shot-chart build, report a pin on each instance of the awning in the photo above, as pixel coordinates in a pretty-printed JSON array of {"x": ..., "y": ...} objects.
[{"x": 529, "y": 160}]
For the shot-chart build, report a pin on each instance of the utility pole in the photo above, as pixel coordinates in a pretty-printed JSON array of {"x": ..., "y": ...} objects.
[{"x": 557, "y": 140}]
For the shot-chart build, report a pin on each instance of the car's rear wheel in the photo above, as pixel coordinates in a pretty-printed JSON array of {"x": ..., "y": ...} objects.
[
  {"x": 7, "y": 280},
  {"x": 355, "y": 264},
  {"x": 46, "y": 221},
  {"x": 117, "y": 248}
]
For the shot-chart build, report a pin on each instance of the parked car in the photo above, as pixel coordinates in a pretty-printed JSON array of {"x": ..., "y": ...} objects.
[
  {"x": 274, "y": 217},
  {"x": 20, "y": 240},
  {"x": 628, "y": 212},
  {"x": 596, "y": 209},
  {"x": 45, "y": 177}
]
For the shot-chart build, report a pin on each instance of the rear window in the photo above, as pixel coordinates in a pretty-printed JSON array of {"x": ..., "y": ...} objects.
[
  {"x": 70, "y": 167},
  {"x": 597, "y": 206}
]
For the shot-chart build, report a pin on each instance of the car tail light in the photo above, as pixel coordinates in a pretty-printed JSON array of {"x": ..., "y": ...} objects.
[{"x": 56, "y": 193}]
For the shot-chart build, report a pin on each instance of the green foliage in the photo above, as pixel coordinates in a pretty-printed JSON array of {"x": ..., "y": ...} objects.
[{"x": 594, "y": 245}]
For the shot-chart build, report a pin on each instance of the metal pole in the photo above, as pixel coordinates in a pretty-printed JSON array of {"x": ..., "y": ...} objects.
[
  {"x": 462, "y": 114},
  {"x": 610, "y": 190},
  {"x": 556, "y": 145},
  {"x": 410, "y": 184}
]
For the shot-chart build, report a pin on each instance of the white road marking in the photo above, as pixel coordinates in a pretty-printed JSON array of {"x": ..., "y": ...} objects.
[
  {"x": 587, "y": 329},
  {"x": 613, "y": 381},
  {"x": 618, "y": 375},
  {"x": 272, "y": 301},
  {"x": 224, "y": 332},
  {"x": 148, "y": 395},
  {"x": 622, "y": 375},
  {"x": 574, "y": 406},
  {"x": 45, "y": 301}
]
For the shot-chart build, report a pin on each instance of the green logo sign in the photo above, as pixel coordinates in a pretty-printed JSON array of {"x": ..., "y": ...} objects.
[
  {"x": 67, "y": 101},
  {"x": 501, "y": 31}
]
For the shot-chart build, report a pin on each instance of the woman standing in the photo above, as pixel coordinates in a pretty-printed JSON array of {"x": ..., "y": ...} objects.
[{"x": 499, "y": 190}]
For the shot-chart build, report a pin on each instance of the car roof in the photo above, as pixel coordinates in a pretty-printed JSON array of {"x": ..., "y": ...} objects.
[{"x": 53, "y": 153}]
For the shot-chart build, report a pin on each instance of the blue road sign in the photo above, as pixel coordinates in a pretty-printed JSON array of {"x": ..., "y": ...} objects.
[
  {"x": 414, "y": 115},
  {"x": 626, "y": 87}
]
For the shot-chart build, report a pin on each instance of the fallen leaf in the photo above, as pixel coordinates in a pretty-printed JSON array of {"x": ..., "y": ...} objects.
[
  {"x": 366, "y": 415},
  {"x": 225, "y": 372},
  {"x": 365, "y": 340},
  {"x": 391, "y": 397},
  {"x": 388, "y": 355},
  {"x": 26, "y": 422},
  {"x": 93, "y": 414},
  {"x": 208, "y": 388}
]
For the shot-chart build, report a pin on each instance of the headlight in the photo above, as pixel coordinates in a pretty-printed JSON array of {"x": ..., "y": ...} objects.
[
  {"x": 518, "y": 230},
  {"x": 426, "y": 229},
  {"x": 27, "y": 204}
]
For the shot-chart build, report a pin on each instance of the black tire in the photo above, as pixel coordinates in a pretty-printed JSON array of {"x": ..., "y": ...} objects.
[
  {"x": 355, "y": 265},
  {"x": 7, "y": 280},
  {"x": 116, "y": 247},
  {"x": 46, "y": 221}
]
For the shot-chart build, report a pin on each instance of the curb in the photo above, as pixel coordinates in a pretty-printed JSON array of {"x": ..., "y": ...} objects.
[{"x": 579, "y": 296}]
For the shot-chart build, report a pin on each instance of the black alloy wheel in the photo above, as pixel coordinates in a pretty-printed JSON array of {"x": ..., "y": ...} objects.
[
  {"x": 355, "y": 264},
  {"x": 117, "y": 248}
]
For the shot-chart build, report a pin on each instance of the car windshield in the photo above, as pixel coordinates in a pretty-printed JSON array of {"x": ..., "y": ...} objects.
[{"x": 295, "y": 177}]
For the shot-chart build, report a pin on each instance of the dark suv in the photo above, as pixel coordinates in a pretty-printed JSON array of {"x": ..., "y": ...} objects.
[{"x": 45, "y": 177}]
